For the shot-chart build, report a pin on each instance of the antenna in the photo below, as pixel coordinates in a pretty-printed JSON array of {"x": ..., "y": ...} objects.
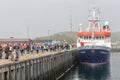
[
  {"x": 80, "y": 27},
  {"x": 48, "y": 35},
  {"x": 71, "y": 15},
  {"x": 70, "y": 24},
  {"x": 91, "y": 2},
  {"x": 28, "y": 42},
  {"x": 27, "y": 32},
  {"x": 71, "y": 19},
  {"x": 106, "y": 23}
]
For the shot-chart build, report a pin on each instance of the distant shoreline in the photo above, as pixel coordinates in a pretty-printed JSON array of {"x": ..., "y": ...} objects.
[{"x": 115, "y": 50}]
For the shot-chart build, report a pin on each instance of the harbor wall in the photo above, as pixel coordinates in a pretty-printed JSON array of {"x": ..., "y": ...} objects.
[{"x": 51, "y": 67}]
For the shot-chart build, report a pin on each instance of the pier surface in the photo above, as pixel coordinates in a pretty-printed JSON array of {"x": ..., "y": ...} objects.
[
  {"x": 29, "y": 56},
  {"x": 42, "y": 66}
]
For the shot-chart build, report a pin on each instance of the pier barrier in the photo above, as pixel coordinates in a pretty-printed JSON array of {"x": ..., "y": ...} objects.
[{"x": 51, "y": 67}]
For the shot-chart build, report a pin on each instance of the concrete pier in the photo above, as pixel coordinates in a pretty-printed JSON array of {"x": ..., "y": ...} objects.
[{"x": 49, "y": 67}]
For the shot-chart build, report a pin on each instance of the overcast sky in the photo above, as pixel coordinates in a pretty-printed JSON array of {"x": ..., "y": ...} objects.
[{"x": 53, "y": 15}]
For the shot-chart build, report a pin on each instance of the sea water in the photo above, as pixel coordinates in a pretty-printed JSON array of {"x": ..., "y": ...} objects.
[{"x": 109, "y": 71}]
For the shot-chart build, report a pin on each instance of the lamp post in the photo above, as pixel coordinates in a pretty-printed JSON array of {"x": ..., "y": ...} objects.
[
  {"x": 48, "y": 35},
  {"x": 27, "y": 32}
]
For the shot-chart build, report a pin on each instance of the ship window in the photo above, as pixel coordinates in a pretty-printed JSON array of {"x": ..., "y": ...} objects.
[
  {"x": 105, "y": 37},
  {"x": 84, "y": 37},
  {"x": 102, "y": 37},
  {"x": 81, "y": 37},
  {"x": 97, "y": 37},
  {"x": 89, "y": 37}
]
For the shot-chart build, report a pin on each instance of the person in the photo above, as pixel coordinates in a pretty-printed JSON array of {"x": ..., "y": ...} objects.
[
  {"x": 33, "y": 48},
  {"x": 11, "y": 49},
  {"x": 37, "y": 48},
  {"x": 42, "y": 48},
  {"x": 17, "y": 51},
  {"x": 22, "y": 49},
  {"x": 28, "y": 49},
  {"x": 1, "y": 51},
  {"x": 7, "y": 49}
]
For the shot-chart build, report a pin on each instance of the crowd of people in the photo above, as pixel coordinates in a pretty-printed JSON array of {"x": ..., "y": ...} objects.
[{"x": 19, "y": 49}]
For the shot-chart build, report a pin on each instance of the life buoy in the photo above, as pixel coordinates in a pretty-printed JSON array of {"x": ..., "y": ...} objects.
[{"x": 82, "y": 43}]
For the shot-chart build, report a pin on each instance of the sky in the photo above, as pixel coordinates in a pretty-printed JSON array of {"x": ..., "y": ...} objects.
[{"x": 34, "y": 18}]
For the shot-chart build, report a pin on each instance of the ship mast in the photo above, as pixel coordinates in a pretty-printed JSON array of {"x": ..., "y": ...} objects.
[
  {"x": 71, "y": 19},
  {"x": 94, "y": 18}
]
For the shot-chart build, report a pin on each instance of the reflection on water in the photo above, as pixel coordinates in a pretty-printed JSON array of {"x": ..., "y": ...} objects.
[
  {"x": 84, "y": 72},
  {"x": 94, "y": 73},
  {"x": 104, "y": 72}
]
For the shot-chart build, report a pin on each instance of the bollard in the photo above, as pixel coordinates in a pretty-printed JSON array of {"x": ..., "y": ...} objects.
[
  {"x": 39, "y": 55},
  {"x": 25, "y": 57}
]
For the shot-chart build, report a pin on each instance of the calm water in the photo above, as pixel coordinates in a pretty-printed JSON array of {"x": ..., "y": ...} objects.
[{"x": 105, "y": 72}]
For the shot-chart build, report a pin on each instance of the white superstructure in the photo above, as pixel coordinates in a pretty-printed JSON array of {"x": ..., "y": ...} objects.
[{"x": 94, "y": 34}]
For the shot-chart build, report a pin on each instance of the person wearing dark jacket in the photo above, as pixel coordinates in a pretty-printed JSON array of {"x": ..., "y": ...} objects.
[
  {"x": 28, "y": 49},
  {"x": 7, "y": 49},
  {"x": 1, "y": 51}
]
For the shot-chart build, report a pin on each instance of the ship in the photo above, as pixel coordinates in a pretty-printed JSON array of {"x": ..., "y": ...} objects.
[{"x": 94, "y": 43}]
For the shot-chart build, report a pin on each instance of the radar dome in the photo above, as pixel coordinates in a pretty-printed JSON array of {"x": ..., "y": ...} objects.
[
  {"x": 80, "y": 24},
  {"x": 106, "y": 23}
]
